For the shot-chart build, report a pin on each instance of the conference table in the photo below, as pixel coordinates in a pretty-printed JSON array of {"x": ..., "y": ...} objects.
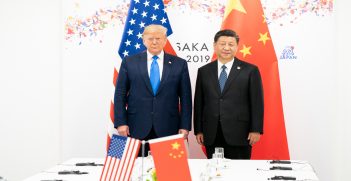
[{"x": 200, "y": 169}]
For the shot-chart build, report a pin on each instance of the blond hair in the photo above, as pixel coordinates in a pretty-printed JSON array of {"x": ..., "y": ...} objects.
[{"x": 155, "y": 28}]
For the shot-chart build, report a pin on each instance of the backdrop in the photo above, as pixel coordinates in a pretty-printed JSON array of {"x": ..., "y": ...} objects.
[
  {"x": 93, "y": 32},
  {"x": 58, "y": 59}
]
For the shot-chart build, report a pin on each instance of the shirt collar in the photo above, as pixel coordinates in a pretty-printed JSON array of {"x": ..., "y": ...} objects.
[
  {"x": 228, "y": 64},
  {"x": 149, "y": 55}
]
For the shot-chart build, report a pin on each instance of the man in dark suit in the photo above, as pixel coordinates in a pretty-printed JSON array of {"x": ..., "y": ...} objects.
[
  {"x": 228, "y": 106},
  {"x": 153, "y": 91}
]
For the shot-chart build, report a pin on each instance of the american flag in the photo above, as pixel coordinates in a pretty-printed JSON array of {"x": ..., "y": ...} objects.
[
  {"x": 120, "y": 159},
  {"x": 141, "y": 13}
]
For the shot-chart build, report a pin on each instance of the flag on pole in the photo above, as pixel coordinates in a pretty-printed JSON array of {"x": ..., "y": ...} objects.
[
  {"x": 120, "y": 159},
  {"x": 170, "y": 156},
  {"x": 141, "y": 13},
  {"x": 246, "y": 17}
]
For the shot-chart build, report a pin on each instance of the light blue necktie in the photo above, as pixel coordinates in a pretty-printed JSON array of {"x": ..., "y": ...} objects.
[
  {"x": 154, "y": 74},
  {"x": 222, "y": 78}
]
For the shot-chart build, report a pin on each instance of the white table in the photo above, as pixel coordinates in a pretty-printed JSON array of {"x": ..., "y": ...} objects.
[{"x": 243, "y": 170}]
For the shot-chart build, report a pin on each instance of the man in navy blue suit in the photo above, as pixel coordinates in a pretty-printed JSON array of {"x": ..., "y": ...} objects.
[{"x": 153, "y": 91}]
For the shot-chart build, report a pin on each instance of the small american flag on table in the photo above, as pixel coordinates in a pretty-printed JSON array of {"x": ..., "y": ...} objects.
[{"x": 120, "y": 158}]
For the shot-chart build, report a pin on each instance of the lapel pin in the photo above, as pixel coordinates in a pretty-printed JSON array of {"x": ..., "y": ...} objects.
[
  {"x": 238, "y": 67},
  {"x": 169, "y": 62}
]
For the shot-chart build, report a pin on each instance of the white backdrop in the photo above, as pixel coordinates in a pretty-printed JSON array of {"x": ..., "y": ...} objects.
[{"x": 56, "y": 93}]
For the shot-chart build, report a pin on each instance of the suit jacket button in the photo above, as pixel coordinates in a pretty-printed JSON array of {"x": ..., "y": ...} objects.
[{"x": 221, "y": 99}]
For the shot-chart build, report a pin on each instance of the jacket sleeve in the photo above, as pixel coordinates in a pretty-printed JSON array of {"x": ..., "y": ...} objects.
[
  {"x": 256, "y": 101},
  {"x": 185, "y": 99},
  {"x": 198, "y": 104},
  {"x": 122, "y": 88}
]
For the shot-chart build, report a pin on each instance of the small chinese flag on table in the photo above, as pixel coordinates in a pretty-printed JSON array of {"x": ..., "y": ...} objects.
[{"x": 170, "y": 156}]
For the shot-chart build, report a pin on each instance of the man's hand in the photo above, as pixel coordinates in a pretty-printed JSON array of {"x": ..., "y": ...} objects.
[
  {"x": 123, "y": 130},
  {"x": 200, "y": 138},
  {"x": 254, "y": 137},
  {"x": 184, "y": 132}
]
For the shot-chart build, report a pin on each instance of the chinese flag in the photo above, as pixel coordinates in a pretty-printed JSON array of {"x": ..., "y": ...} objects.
[
  {"x": 171, "y": 158},
  {"x": 246, "y": 17}
]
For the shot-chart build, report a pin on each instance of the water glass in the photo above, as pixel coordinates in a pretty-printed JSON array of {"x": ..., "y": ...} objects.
[{"x": 219, "y": 150}]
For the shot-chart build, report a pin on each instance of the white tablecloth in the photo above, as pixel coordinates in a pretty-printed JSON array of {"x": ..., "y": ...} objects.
[{"x": 241, "y": 170}]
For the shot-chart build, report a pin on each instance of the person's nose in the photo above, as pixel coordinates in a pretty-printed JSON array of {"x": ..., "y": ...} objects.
[
  {"x": 154, "y": 41},
  {"x": 226, "y": 47}
]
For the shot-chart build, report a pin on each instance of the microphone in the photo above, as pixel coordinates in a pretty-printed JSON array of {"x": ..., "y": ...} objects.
[
  {"x": 89, "y": 164},
  {"x": 282, "y": 178},
  {"x": 72, "y": 172},
  {"x": 280, "y": 168},
  {"x": 280, "y": 162}
]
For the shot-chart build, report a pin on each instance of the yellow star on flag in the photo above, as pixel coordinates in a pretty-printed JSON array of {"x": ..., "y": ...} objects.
[
  {"x": 233, "y": 4},
  {"x": 175, "y": 146},
  {"x": 264, "y": 18},
  {"x": 264, "y": 37},
  {"x": 245, "y": 51}
]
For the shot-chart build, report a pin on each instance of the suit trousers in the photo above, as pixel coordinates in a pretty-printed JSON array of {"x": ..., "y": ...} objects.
[
  {"x": 231, "y": 152},
  {"x": 151, "y": 135}
]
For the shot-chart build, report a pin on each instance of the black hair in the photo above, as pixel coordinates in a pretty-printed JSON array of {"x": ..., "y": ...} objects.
[{"x": 226, "y": 32}]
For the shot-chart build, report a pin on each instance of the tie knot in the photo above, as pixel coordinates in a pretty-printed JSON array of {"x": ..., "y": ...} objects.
[
  {"x": 223, "y": 67},
  {"x": 154, "y": 58}
]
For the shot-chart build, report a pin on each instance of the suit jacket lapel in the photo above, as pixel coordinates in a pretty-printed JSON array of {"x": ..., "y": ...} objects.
[
  {"x": 167, "y": 68},
  {"x": 143, "y": 70},
  {"x": 234, "y": 71}
]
